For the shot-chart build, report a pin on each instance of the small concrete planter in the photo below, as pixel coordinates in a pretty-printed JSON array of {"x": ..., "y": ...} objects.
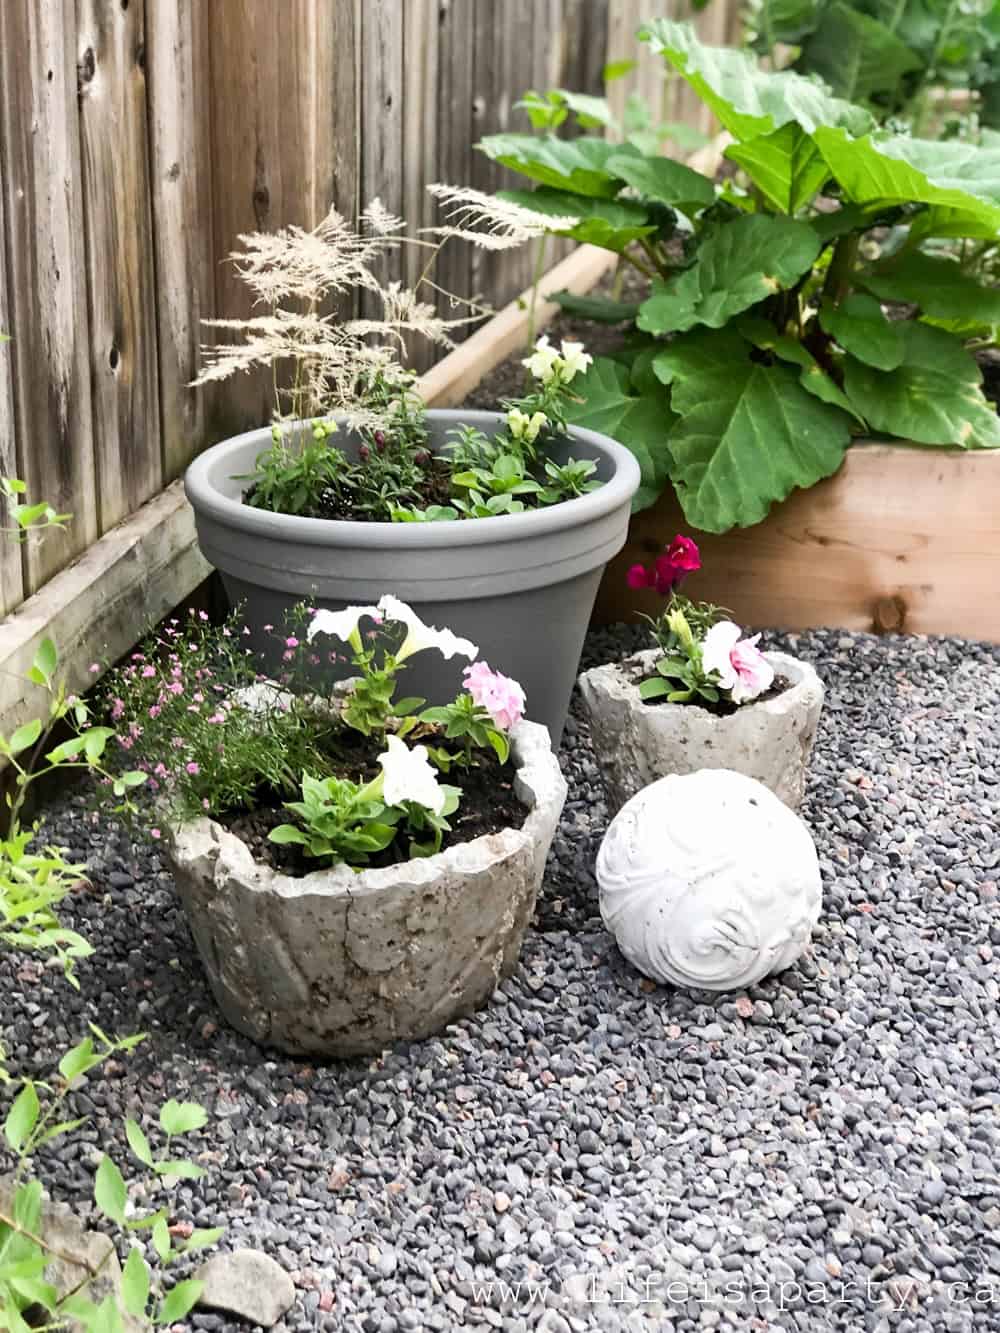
[
  {"x": 344, "y": 963},
  {"x": 636, "y": 742},
  {"x": 521, "y": 586}
]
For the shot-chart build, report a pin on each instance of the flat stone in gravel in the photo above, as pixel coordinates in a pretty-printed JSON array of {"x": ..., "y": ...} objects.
[{"x": 246, "y": 1283}]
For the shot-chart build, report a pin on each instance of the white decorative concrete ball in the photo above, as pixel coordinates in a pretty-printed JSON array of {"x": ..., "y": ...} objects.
[{"x": 708, "y": 880}]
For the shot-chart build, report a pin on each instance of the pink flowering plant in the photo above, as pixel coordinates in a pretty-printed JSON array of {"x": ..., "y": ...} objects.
[
  {"x": 706, "y": 658},
  {"x": 348, "y": 776}
]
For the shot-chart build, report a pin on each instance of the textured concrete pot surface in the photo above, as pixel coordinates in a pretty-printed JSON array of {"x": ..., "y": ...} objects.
[
  {"x": 637, "y": 743},
  {"x": 521, "y": 586},
  {"x": 344, "y": 963}
]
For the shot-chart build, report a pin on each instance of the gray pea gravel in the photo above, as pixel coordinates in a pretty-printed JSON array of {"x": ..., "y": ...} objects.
[{"x": 820, "y": 1152}]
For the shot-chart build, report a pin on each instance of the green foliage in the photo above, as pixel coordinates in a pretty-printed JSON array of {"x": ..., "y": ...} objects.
[
  {"x": 762, "y": 348},
  {"x": 338, "y": 819},
  {"x": 680, "y": 673},
  {"x": 888, "y": 54},
  {"x": 27, "y": 518},
  {"x": 465, "y": 721}
]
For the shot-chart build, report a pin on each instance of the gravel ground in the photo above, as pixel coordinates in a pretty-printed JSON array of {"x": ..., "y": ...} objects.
[{"x": 659, "y": 1159}]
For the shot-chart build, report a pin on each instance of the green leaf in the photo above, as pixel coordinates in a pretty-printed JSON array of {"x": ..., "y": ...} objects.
[
  {"x": 46, "y": 659},
  {"x": 79, "y": 1060},
  {"x": 138, "y": 1142},
  {"x": 897, "y": 169},
  {"x": 181, "y": 1168},
  {"x": 22, "y": 1117},
  {"x": 200, "y": 1240},
  {"x": 856, "y": 55},
  {"x": 612, "y": 224},
  {"x": 161, "y": 1239},
  {"x": 182, "y": 1117},
  {"x": 749, "y": 433},
  {"x": 933, "y": 397},
  {"x": 739, "y": 265},
  {"x": 749, "y": 101},
  {"x": 94, "y": 742},
  {"x": 286, "y": 834},
  {"x": 600, "y": 309},
  {"x": 861, "y": 328},
  {"x": 665, "y": 181},
  {"x": 654, "y": 688},
  {"x": 786, "y": 166},
  {"x": 135, "y": 1283},
  {"x": 812, "y": 376},
  {"x": 938, "y": 286},
  {"x": 578, "y": 165},
  {"x": 617, "y": 69},
  {"x": 640, "y": 422},
  {"x": 25, "y": 736},
  {"x": 500, "y": 743},
  {"x": 109, "y": 1191},
  {"x": 179, "y": 1302}
]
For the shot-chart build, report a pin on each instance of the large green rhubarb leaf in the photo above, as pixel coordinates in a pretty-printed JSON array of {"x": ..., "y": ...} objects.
[
  {"x": 933, "y": 397},
  {"x": 739, "y": 264},
  {"x": 610, "y": 223},
  {"x": 861, "y": 328},
  {"x": 938, "y": 286},
  {"x": 748, "y": 433},
  {"x": 961, "y": 177},
  {"x": 857, "y": 55},
  {"x": 813, "y": 378},
  {"x": 666, "y": 181},
  {"x": 610, "y": 404},
  {"x": 749, "y": 101},
  {"x": 578, "y": 165},
  {"x": 786, "y": 166}
]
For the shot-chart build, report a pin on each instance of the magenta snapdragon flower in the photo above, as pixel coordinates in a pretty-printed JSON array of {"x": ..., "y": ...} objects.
[{"x": 679, "y": 559}]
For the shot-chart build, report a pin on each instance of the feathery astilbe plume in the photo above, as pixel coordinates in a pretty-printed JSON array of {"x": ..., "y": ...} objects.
[
  {"x": 490, "y": 223},
  {"x": 379, "y": 221},
  {"x": 403, "y": 312},
  {"x": 321, "y": 363}
]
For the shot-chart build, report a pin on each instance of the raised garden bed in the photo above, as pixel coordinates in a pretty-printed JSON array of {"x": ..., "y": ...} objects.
[{"x": 900, "y": 539}]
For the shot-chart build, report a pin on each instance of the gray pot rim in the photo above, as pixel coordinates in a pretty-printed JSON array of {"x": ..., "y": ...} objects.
[
  {"x": 615, "y": 492},
  {"x": 536, "y": 772},
  {"x": 801, "y": 675}
]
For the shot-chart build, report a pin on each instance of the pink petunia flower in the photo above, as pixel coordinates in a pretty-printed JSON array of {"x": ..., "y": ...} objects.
[
  {"x": 502, "y": 697},
  {"x": 668, "y": 570},
  {"x": 741, "y": 666}
]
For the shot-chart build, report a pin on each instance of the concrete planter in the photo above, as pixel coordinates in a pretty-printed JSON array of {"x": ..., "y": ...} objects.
[
  {"x": 636, "y": 742},
  {"x": 521, "y": 586},
  {"x": 343, "y": 963}
]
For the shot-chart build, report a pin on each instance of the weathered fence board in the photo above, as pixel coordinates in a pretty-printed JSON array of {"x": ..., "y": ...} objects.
[
  {"x": 114, "y": 150},
  {"x": 178, "y": 74},
  {"x": 44, "y": 241},
  {"x": 139, "y": 139}
]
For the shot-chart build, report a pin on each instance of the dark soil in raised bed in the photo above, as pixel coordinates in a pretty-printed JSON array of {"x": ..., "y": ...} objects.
[{"x": 488, "y": 804}]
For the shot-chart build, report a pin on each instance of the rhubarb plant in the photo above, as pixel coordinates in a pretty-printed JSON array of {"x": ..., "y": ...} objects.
[{"x": 811, "y": 300}]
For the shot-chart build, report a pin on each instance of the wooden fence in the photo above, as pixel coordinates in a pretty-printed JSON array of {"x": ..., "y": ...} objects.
[{"x": 138, "y": 138}]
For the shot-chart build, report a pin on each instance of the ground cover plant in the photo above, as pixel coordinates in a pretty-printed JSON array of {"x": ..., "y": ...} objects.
[
  {"x": 346, "y": 378},
  {"x": 35, "y": 878},
  {"x": 365, "y": 778},
  {"x": 790, "y": 310}
]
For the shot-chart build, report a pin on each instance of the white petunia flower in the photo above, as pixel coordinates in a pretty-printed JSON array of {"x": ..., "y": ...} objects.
[
  {"x": 342, "y": 624},
  {"x": 420, "y": 636},
  {"x": 541, "y": 363},
  {"x": 523, "y": 427},
  {"x": 407, "y": 775},
  {"x": 574, "y": 361}
]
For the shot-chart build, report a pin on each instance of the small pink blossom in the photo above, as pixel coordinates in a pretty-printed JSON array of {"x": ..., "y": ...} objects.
[
  {"x": 268, "y": 629},
  {"x": 148, "y": 671},
  {"x": 155, "y": 833},
  {"x": 117, "y": 708},
  {"x": 175, "y": 687},
  {"x": 192, "y": 768},
  {"x": 502, "y": 697},
  {"x": 202, "y": 615},
  {"x": 198, "y": 697},
  {"x": 154, "y": 710},
  {"x": 177, "y": 742},
  {"x": 291, "y": 641},
  {"x": 160, "y": 770},
  {"x": 217, "y": 718},
  {"x": 741, "y": 666},
  {"x": 93, "y": 668}
]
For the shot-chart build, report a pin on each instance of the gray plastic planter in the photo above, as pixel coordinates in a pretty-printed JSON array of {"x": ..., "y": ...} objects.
[{"x": 521, "y": 586}]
